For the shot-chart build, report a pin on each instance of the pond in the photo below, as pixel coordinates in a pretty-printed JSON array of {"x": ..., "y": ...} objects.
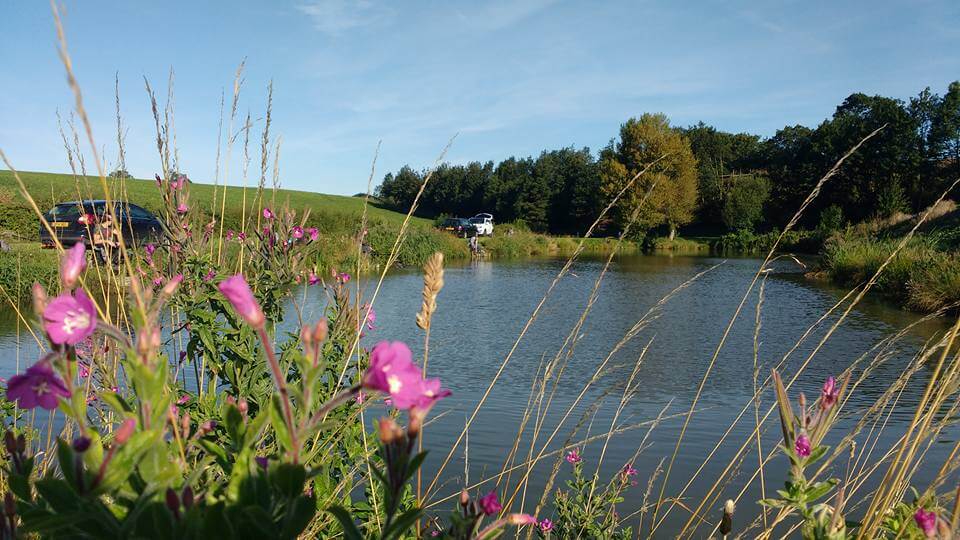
[{"x": 484, "y": 306}]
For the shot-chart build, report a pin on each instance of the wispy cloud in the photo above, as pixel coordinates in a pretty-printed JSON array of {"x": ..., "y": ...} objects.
[{"x": 335, "y": 17}]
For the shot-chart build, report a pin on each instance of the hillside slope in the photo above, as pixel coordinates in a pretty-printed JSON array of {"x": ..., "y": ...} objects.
[{"x": 47, "y": 189}]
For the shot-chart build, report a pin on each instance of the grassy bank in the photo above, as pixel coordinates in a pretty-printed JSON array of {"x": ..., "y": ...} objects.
[
  {"x": 925, "y": 274},
  {"x": 337, "y": 217}
]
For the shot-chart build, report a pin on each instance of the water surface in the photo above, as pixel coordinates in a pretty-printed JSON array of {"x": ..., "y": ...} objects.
[{"x": 484, "y": 305}]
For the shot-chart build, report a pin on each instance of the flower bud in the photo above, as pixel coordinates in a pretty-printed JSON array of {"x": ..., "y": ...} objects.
[
  {"x": 73, "y": 263},
  {"x": 172, "y": 284},
  {"x": 187, "y": 497},
  {"x": 320, "y": 331},
  {"x": 81, "y": 444},
  {"x": 125, "y": 431},
  {"x": 464, "y": 498},
  {"x": 726, "y": 524},
  {"x": 389, "y": 431},
  {"x": 10, "y": 442},
  {"x": 207, "y": 427},
  {"x": 243, "y": 406},
  {"x": 39, "y": 299},
  {"x": 173, "y": 502},
  {"x": 521, "y": 519},
  {"x": 416, "y": 416}
]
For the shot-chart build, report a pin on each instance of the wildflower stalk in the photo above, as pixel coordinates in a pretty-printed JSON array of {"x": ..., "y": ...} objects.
[
  {"x": 281, "y": 383},
  {"x": 334, "y": 402}
]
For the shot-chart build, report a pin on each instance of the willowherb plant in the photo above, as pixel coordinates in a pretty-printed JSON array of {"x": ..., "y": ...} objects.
[
  {"x": 587, "y": 509},
  {"x": 803, "y": 434},
  {"x": 265, "y": 444}
]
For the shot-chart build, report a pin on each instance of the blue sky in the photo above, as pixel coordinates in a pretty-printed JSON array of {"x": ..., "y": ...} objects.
[{"x": 511, "y": 77}]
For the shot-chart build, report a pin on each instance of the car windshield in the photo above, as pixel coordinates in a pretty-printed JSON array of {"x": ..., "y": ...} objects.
[
  {"x": 476, "y": 220},
  {"x": 64, "y": 211}
]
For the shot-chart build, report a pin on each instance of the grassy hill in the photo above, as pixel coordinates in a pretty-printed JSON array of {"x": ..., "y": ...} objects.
[
  {"x": 337, "y": 217},
  {"x": 333, "y": 212}
]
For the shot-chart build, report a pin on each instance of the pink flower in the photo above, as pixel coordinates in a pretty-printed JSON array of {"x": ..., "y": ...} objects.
[
  {"x": 927, "y": 521},
  {"x": 241, "y": 236},
  {"x": 150, "y": 249},
  {"x": 829, "y": 394},
  {"x": 83, "y": 369},
  {"x": 210, "y": 275},
  {"x": 240, "y": 296},
  {"x": 73, "y": 264},
  {"x": 38, "y": 387},
  {"x": 184, "y": 399},
  {"x": 393, "y": 372},
  {"x": 313, "y": 279},
  {"x": 371, "y": 317},
  {"x": 802, "y": 446},
  {"x": 360, "y": 397},
  {"x": 229, "y": 234},
  {"x": 344, "y": 277},
  {"x": 314, "y": 233},
  {"x": 297, "y": 232},
  {"x": 430, "y": 393},
  {"x": 157, "y": 281},
  {"x": 573, "y": 457},
  {"x": 628, "y": 470},
  {"x": 490, "y": 503},
  {"x": 267, "y": 214},
  {"x": 546, "y": 525},
  {"x": 69, "y": 319},
  {"x": 182, "y": 208}
]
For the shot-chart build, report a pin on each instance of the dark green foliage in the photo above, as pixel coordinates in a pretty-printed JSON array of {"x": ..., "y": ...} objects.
[
  {"x": 904, "y": 168},
  {"x": 744, "y": 202},
  {"x": 556, "y": 192},
  {"x": 831, "y": 221}
]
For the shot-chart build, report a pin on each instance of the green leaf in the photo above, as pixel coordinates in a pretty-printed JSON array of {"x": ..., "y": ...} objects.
[
  {"x": 350, "y": 530},
  {"x": 66, "y": 458},
  {"x": 299, "y": 514},
  {"x": 216, "y": 524},
  {"x": 414, "y": 465},
  {"x": 234, "y": 423},
  {"x": 288, "y": 479},
  {"x": 155, "y": 521},
  {"x": 279, "y": 424},
  {"x": 815, "y": 455},
  {"x": 58, "y": 494},
  {"x": 820, "y": 489},
  {"x": 402, "y": 524}
]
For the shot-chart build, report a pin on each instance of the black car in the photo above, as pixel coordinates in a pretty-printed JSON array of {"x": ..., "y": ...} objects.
[
  {"x": 76, "y": 221},
  {"x": 459, "y": 227}
]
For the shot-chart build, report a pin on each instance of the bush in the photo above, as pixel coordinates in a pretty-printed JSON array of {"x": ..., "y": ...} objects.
[
  {"x": 743, "y": 206},
  {"x": 748, "y": 242}
]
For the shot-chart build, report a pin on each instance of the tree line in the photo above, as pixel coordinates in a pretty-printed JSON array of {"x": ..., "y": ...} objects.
[{"x": 713, "y": 178}]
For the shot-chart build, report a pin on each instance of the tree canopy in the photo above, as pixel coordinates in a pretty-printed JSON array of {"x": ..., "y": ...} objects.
[{"x": 712, "y": 177}]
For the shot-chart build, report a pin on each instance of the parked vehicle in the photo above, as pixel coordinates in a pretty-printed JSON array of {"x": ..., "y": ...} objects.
[
  {"x": 77, "y": 221},
  {"x": 483, "y": 223},
  {"x": 459, "y": 226}
]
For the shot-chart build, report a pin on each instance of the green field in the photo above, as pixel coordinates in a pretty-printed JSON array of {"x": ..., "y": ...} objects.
[
  {"x": 337, "y": 217},
  {"x": 332, "y": 212}
]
